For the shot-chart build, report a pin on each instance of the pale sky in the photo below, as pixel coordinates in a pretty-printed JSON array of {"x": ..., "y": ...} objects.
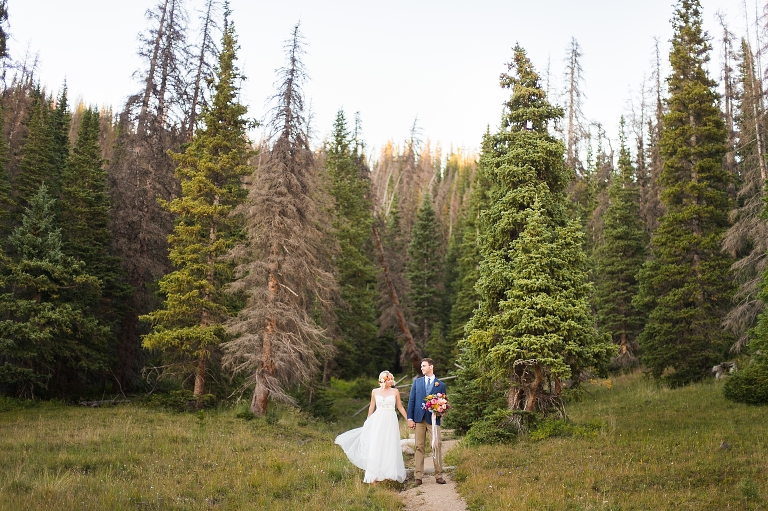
[{"x": 394, "y": 61}]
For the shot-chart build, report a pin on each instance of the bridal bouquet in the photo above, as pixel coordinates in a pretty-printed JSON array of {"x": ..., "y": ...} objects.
[{"x": 436, "y": 403}]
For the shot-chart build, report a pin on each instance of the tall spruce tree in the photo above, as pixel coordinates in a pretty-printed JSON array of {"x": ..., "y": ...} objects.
[
  {"x": 424, "y": 272},
  {"x": 38, "y": 161},
  {"x": 48, "y": 339},
  {"x": 468, "y": 259},
  {"x": 685, "y": 287},
  {"x": 60, "y": 120},
  {"x": 7, "y": 204},
  {"x": 190, "y": 326},
  {"x": 285, "y": 264},
  {"x": 533, "y": 326},
  {"x": 45, "y": 149},
  {"x": 84, "y": 210},
  {"x": 357, "y": 349},
  {"x": 618, "y": 260}
]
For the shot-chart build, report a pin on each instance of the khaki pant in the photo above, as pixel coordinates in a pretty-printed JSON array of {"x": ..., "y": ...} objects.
[{"x": 421, "y": 436}]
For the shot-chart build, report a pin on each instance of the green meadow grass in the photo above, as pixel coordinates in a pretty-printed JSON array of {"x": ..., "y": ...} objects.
[
  {"x": 656, "y": 449},
  {"x": 132, "y": 457},
  {"x": 635, "y": 446}
]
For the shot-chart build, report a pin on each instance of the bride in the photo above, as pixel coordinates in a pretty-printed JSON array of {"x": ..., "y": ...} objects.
[{"x": 375, "y": 447}]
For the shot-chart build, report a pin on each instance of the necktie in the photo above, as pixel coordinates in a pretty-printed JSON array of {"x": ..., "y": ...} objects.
[{"x": 428, "y": 383}]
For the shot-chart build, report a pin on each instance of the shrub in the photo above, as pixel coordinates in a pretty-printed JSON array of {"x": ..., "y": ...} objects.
[
  {"x": 750, "y": 385},
  {"x": 314, "y": 400},
  {"x": 500, "y": 426},
  {"x": 472, "y": 398}
]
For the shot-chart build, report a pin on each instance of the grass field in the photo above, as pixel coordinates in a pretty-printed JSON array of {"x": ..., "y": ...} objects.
[
  {"x": 647, "y": 448},
  {"x": 56, "y": 457},
  {"x": 657, "y": 449}
]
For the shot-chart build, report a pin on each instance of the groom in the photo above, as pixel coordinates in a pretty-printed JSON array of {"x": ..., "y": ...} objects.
[{"x": 421, "y": 419}]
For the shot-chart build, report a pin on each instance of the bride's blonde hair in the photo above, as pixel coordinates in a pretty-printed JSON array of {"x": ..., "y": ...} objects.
[{"x": 384, "y": 376}]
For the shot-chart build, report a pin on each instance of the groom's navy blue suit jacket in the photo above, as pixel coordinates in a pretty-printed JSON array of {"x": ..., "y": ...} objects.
[{"x": 416, "y": 399}]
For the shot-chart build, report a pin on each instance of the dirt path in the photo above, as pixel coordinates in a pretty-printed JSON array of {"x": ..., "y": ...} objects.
[{"x": 431, "y": 496}]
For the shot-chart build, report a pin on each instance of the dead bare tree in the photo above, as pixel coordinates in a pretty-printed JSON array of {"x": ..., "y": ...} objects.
[
  {"x": 747, "y": 239},
  {"x": 164, "y": 48},
  {"x": 651, "y": 207},
  {"x": 574, "y": 97},
  {"x": 141, "y": 172},
  {"x": 284, "y": 266},
  {"x": 205, "y": 55}
]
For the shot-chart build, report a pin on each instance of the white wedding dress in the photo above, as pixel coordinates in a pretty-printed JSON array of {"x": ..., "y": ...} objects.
[{"x": 375, "y": 447}]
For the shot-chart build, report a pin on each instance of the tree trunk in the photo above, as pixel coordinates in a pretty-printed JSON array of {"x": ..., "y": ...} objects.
[
  {"x": 199, "y": 377},
  {"x": 167, "y": 58},
  {"x": 410, "y": 350},
  {"x": 533, "y": 390},
  {"x": 267, "y": 364},
  {"x": 260, "y": 400},
  {"x": 151, "y": 74},
  {"x": 199, "y": 74}
]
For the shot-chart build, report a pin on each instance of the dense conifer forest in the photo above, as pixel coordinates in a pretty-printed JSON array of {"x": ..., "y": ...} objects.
[{"x": 153, "y": 246}]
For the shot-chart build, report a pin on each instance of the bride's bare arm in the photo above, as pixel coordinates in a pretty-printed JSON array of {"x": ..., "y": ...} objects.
[
  {"x": 399, "y": 404},
  {"x": 372, "y": 406}
]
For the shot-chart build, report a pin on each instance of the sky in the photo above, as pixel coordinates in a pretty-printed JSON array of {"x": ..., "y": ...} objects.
[{"x": 435, "y": 63}]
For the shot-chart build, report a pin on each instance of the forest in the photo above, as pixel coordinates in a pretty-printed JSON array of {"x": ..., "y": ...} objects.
[{"x": 156, "y": 248}]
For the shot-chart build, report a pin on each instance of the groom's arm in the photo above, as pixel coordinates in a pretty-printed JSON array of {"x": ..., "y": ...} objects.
[
  {"x": 410, "y": 403},
  {"x": 411, "y": 409}
]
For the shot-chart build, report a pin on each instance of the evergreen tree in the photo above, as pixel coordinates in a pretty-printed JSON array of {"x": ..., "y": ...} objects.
[
  {"x": 618, "y": 260},
  {"x": 38, "y": 161},
  {"x": 47, "y": 339},
  {"x": 424, "y": 272},
  {"x": 85, "y": 211},
  {"x": 393, "y": 308},
  {"x": 357, "y": 349},
  {"x": 7, "y": 204},
  {"x": 285, "y": 263},
  {"x": 533, "y": 325},
  {"x": 189, "y": 328},
  {"x": 468, "y": 259},
  {"x": 60, "y": 120},
  {"x": 685, "y": 288}
]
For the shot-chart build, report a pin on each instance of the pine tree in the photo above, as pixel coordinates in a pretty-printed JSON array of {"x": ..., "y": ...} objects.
[
  {"x": 190, "y": 326},
  {"x": 38, "y": 163},
  {"x": 47, "y": 339},
  {"x": 60, "y": 120},
  {"x": 7, "y": 204},
  {"x": 685, "y": 288},
  {"x": 618, "y": 260},
  {"x": 393, "y": 312},
  {"x": 533, "y": 325},
  {"x": 85, "y": 211},
  {"x": 285, "y": 263},
  {"x": 357, "y": 349},
  {"x": 424, "y": 272},
  {"x": 468, "y": 261}
]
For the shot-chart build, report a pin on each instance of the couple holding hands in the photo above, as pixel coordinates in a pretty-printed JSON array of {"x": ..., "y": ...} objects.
[{"x": 375, "y": 447}]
